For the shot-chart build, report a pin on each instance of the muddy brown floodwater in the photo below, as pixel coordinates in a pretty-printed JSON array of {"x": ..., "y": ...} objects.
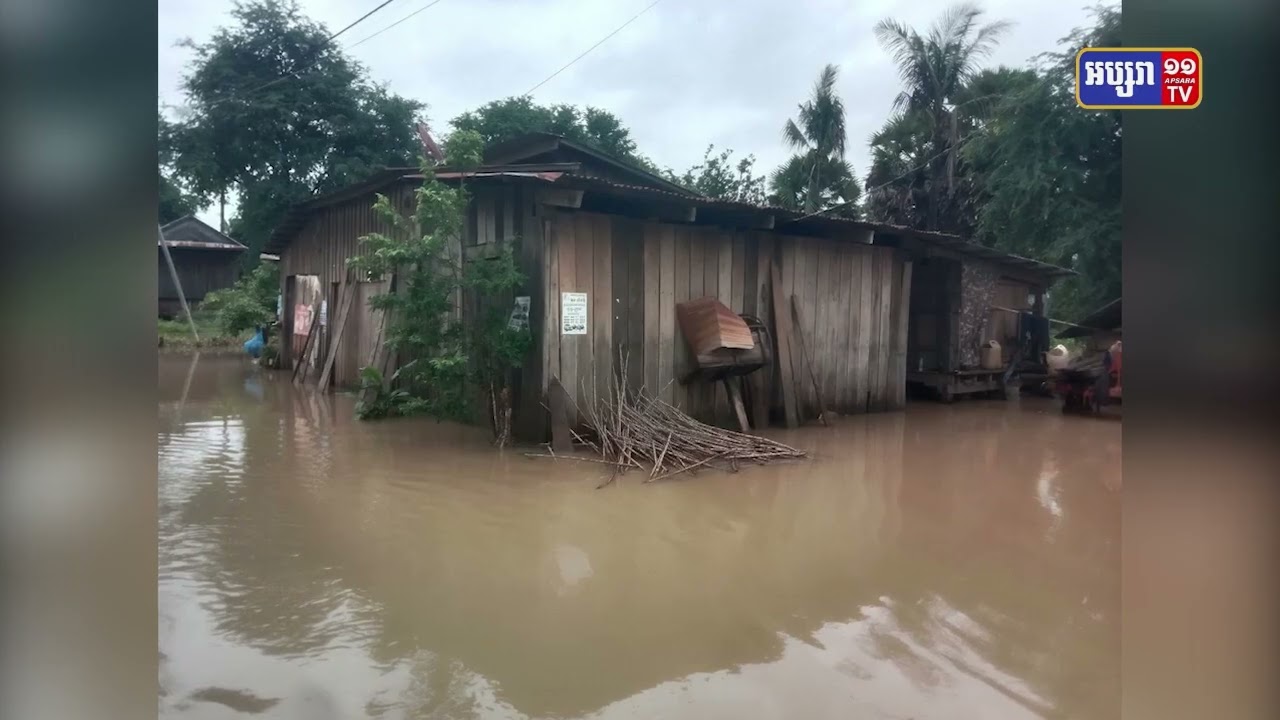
[{"x": 947, "y": 562}]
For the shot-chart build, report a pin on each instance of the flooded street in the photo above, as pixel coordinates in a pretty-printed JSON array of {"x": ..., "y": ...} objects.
[{"x": 950, "y": 562}]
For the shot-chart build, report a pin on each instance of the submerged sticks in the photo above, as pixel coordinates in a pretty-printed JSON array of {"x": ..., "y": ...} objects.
[{"x": 637, "y": 431}]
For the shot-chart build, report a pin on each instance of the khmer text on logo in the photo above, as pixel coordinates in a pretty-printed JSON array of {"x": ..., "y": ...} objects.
[{"x": 1139, "y": 78}]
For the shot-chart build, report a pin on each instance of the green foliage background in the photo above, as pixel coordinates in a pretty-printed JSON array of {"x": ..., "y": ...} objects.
[{"x": 445, "y": 364}]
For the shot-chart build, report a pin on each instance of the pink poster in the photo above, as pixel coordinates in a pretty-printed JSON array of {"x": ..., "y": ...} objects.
[{"x": 301, "y": 319}]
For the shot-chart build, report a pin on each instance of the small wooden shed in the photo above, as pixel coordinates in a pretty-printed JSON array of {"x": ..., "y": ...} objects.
[
  {"x": 963, "y": 295},
  {"x": 205, "y": 260},
  {"x": 620, "y": 248}
]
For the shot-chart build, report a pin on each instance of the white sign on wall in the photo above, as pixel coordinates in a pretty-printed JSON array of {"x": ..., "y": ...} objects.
[
  {"x": 520, "y": 314},
  {"x": 573, "y": 313}
]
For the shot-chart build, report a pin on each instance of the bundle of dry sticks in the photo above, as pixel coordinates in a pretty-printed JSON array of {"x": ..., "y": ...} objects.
[{"x": 636, "y": 431}]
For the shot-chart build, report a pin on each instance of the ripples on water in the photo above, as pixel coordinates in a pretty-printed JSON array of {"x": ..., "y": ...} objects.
[{"x": 952, "y": 562}]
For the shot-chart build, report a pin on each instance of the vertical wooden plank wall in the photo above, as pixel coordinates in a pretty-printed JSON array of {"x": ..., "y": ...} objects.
[
  {"x": 852, "y": 298},
  {"x": 901, "y": 325},
  {"x": 603, "y": 304},
  {"x": 523, "y": 221},
  {"x": 652, "y": 292},
  {"x": 565, "y": 367},
  {"x": 683, "y": 263},
  {"x": 665, "y": 386}
]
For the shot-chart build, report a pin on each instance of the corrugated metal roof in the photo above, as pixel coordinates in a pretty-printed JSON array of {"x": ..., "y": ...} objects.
[
  {"x": 190, "y": 231},
  {"x": 533, "y": 144},
  {"x": 562, "y": 174},
  {"x": 947, "y": 241}
]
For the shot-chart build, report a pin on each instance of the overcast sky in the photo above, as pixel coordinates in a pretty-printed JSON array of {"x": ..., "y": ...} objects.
[{"x": 685, "y": 74}]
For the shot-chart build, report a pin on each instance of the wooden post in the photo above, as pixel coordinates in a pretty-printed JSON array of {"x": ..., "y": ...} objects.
[
  {"x": 379, "y": 354},
  {"x": 177, "y": 284},
  {"x": 808, "y": 360},
  {"x": 308, "y": 348},
  {"x": 348, "y": 295},
  {"x": 558, "y": 400},
  {"x": 904, "y": 331},
  {"x": 735, "y": 401},
  {"x": 782, "y": 333}
]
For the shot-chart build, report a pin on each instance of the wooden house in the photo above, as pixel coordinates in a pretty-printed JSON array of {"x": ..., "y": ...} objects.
[
  {"x": 636, "y": 245},
  {"x": 205, "y": 260},
  {"x": 963, "y": 295}
]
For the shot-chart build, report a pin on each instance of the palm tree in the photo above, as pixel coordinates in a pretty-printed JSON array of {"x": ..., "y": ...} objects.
[
  {"x": 818, "y": 138},
  {"x": 899, "y": 180},
  {"x": 838, "y": 192},
  {"x": 936, "y": 69}
]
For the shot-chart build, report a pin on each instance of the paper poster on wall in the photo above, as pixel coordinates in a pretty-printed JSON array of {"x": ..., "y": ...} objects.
[
  {"x": 573, "y": 313},
  {"x": 520, "y": 314},
  {"x": 301, "y": 319},
  {"x": 324, "y": 313}
]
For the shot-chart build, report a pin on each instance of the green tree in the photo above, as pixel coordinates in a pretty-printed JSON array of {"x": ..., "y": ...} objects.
[
  {"x": 512, "y": 117},
  {"x": 174, "y": 201},
  {"x": 446, "y": 363},
  {"x": 817, "y": 174},
  {"x": 936, "y": 69},
  {"x": 900, "y": 177},
  {"x": 278, "y": 113},
  {"x": 248, "y": 304},
  {"x": 717, "y": 176},
  {"x": 1050, "y": 175},
  {"x": 838, "y": 192}
]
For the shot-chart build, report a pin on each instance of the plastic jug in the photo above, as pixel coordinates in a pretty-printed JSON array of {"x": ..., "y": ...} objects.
[
  {"x": 990, "y": 356},
  {"x": 1057, "y": 358}
]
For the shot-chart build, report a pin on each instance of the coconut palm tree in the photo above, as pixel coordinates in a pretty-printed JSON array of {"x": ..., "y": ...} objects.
[
  {"x": 819, "y": 139},
  {"x": 936, "y": 69}
]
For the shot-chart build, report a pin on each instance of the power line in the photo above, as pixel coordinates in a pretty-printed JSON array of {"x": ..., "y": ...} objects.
[
  {"x": 360, "y": 20},
  {"x": 593, "y": 47},
  {"x": 361, "y": 41},
  {"x": 305, "y": 68}
]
